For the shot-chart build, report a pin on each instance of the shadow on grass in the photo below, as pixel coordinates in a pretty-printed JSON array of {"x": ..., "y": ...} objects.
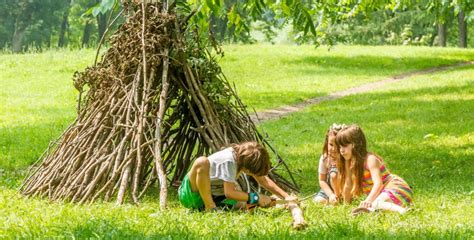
[
  {"x": 264, "y": 100},
  {"x": 22, "y": 144},
  {"x": 365, "y": 64},
  {"x": 396, "y": 125}
]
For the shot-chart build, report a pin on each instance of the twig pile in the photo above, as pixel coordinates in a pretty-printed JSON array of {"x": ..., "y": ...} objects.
[{"x": 155, "y": 102}]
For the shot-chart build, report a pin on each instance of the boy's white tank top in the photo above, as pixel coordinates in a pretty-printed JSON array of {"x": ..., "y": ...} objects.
[{"x": 223, "y": 167}]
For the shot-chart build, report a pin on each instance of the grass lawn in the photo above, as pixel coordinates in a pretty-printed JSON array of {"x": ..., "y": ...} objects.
[
  {"x": 38, "y": 98},
  {"x": 268, "y": 76},
  {"x": 422, "y": 127}
]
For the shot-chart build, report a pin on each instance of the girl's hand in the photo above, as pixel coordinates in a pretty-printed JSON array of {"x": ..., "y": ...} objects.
[
  {"x": 333, "y": 199},
  {"x": 365, "y": 204}
]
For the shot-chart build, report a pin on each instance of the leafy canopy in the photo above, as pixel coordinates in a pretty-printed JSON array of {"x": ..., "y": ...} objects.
[{"x": 309, "y": 18}]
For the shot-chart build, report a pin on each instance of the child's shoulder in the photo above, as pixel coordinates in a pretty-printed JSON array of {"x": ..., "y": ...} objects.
[
  {"x": 323, "y": 158},
  {"x": 372, "y": 160}
]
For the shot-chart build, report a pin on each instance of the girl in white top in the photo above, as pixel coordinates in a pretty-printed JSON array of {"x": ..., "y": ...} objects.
[{"x": 328, "y": 177}]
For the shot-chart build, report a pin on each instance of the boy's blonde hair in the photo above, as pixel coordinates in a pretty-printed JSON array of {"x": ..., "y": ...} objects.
[{"x": 253, "y": 157}]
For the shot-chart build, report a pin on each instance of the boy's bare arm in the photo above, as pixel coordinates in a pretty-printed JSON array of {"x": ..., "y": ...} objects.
[
  {"x": 271, "y": 186},
  {"x": 232, "y": 193}
]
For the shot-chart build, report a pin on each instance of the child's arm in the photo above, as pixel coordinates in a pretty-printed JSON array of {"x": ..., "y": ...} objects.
[
  {"x": 337, "y": 189},
  {"x": 323, "y": 174},
  {"x": 346, "y": 192},
  {"x": 324, "y": 185},
  {"x": 333, "y": 199},
  {"x": 271, "y": 186},
  {"x": 374, "y": 168},
  {"x": 232, "y": 193}
]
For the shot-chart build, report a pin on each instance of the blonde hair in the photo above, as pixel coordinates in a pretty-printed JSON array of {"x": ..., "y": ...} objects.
[{"x": 253, "y": 157}]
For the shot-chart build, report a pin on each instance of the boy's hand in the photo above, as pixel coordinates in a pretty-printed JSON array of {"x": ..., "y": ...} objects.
[
  {"x": 292, "y": 198},
  {"x": 264, "y": 201}
]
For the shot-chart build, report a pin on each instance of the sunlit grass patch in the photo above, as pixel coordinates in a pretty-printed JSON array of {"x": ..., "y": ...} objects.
[{"x": 422, "y": 127}]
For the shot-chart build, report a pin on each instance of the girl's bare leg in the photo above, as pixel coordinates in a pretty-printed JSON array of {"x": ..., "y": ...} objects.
[{"x": 384, "y": 202}]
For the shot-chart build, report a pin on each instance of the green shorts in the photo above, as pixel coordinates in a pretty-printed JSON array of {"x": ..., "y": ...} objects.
[
  {"x": 187, "y": 197},
  {"x": 193, "y": 200}
]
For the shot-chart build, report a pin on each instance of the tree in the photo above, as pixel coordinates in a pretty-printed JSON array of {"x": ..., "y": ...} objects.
[
  {"x": 100, "y": 12},
  {"x": 64, "y": 26},
  {"x": 89, "y": 20},
  {"x": 464, "y": 9},
  {"x": 311, "y": 19},
  {"x": 86, "y": 34},
  {"x": 445, "y": 11},
  {"x": 462, "y": 29},
  {"x": 30, "y": 22}
]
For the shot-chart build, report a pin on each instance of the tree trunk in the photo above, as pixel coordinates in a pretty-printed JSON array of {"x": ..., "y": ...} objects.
[
  {"x": 86, "y": 34},
  {"x": 101, "y": 24},
  {"x": 64, "y": 27},
  {"x": 462, "y": 30},
  {"x": 442, "y": 34},
  {"x": 17, "y": 38},
  {"x": 219, "y": 27}
]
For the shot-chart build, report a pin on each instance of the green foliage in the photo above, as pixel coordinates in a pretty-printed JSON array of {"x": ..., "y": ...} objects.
[
  {"x": 101, "y": 8},
  {"x": 35, "y": 25},
  {"x": 413, "y": 26},
  {"x": 30, "y": 23},
  {"x": 420, "y": 126},
  {"x": 317, "y": 22},
  {"x": 320, "y": 22},
  {"x": 311, "y": 20}
]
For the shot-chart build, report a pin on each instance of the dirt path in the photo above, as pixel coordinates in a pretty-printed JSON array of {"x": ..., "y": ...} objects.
[{"x": 288, "y": 109}]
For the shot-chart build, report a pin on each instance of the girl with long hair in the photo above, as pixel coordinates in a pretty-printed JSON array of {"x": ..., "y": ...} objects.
[
  {"x": 330, "y": 187},
  {"x": 365, "y": 172}
]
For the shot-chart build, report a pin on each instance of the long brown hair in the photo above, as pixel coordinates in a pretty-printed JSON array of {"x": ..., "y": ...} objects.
[
  {"x": 253, "y": 157},
  {"x": 353, "y": 134},
  {"x": 329, "y": 133},
  {"x": 332, "y": 132}
]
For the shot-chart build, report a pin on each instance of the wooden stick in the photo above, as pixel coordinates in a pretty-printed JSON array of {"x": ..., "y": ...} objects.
[{"x": 297, "y": 215}]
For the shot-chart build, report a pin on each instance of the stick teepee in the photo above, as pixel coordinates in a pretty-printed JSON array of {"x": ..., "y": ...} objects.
[{"x": 155, "y": 102}]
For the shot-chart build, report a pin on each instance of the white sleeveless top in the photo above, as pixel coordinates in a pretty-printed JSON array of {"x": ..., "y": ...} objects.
[{"x": 223, "y": 168}]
